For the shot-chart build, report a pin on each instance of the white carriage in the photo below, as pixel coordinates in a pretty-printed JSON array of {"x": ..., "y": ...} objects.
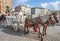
[{"x": 15, "y": 21}]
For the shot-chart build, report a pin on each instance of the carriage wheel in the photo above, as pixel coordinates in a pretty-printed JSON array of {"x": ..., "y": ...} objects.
[{"x": 15, "y": 28}]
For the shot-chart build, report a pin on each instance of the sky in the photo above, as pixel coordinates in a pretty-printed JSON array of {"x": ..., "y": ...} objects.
[{"x": 50, "y": 4}]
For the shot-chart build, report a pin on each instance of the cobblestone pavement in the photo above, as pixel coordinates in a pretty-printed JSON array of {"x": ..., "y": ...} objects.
[{"x": 6, "y": 34}]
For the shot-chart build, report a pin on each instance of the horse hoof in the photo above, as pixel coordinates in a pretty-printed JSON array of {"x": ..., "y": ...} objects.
[
  {"x": 43, "y": 34},
  {"x": 28, "y": 32},
  {"x": 41, "y": 39},
  {"x": 24, "y": 33}
]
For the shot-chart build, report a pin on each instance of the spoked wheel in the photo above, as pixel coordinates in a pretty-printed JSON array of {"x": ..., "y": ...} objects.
[{"x": 15, "y": 28}]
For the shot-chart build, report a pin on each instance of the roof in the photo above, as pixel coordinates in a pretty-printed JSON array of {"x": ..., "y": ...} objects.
[{"x": 31, "y": 7}]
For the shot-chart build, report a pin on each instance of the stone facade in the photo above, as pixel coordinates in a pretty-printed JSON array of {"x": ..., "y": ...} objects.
[
  {"x": 3, "y": 4},
  {"x": 33, "y": 11},
  {"x": 24, "y": 9}
]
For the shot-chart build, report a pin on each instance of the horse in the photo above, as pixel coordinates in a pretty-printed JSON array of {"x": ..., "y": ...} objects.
[
  {"x": 43, "y": 24},
  {"x": 51, "y": 20},
  {"x": 35, "y": 23}
]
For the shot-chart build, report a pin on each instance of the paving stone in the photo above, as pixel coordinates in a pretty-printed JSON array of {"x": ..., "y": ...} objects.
[{"x": 53, "y": 34}]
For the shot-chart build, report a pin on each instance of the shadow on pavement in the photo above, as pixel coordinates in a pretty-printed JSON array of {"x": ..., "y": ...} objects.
[
  {"x": 19, "y": 33},
  {"x": 10, "y": 31}
]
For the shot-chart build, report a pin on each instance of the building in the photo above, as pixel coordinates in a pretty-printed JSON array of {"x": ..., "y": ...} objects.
[
  {"x": 4, "y": 4},
  {"x": 24, "y": 9},
  {"x": 40, "y": 11},
  {"x": 33, "y": 11},
  {"x": 59, "y": 17}
]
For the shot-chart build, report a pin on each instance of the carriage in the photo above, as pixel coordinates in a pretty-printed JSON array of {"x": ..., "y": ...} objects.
[{"x": 15, "y": 22}]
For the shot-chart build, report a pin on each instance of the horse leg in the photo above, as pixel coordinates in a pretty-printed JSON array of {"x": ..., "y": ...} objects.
[
  {"x": 27, "y": 30},
  {"x": 39, "y": 33},
  {"x": 43, "y": 32}
]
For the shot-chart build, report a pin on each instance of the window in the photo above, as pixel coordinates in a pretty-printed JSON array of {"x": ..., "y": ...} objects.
[{"x": 32, "y": 11}]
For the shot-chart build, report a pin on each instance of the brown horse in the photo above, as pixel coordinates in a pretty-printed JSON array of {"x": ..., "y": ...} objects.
[
  {"x": 35, "y": 24},
  {"x": 32, "y": 23}
]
